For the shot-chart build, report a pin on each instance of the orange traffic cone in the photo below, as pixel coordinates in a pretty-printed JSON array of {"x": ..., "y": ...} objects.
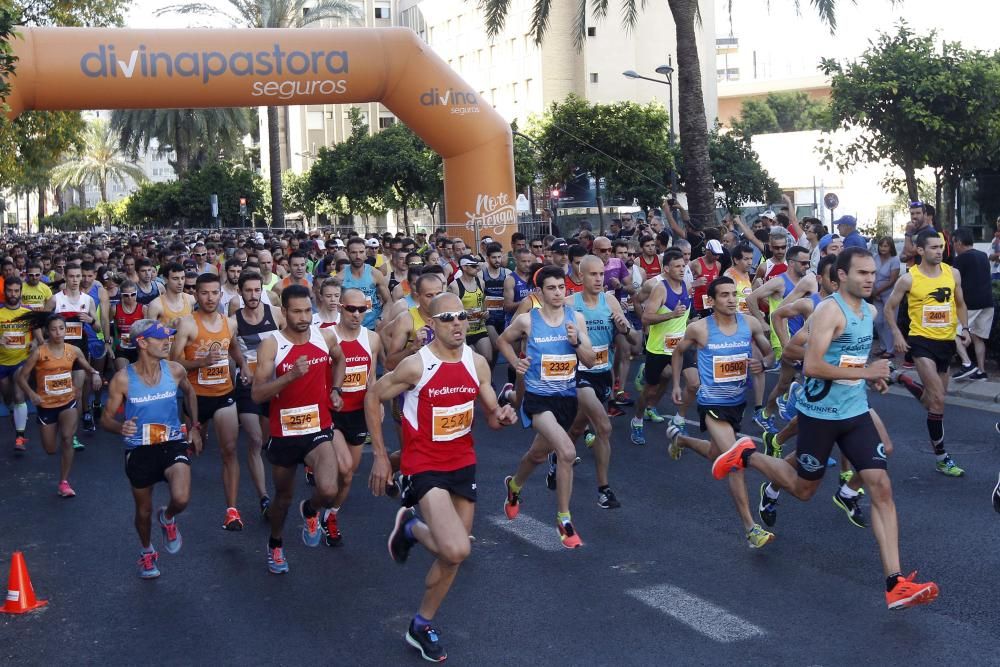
[{"x": 20, "y": 593}]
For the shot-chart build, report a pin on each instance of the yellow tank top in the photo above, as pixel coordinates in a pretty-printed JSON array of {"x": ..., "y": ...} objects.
[
  {"x": 931, "y": 304},
  {"x": 15, "y": 343},
  {"x": 475, "y": 307},
  {"x": 169, "y": 317},
  {"x": 418, "y": 323},
  {"x": 743, "y": 289}
]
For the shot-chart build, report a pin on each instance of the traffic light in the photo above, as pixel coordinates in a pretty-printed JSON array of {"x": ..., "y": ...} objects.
[{"x": 555, "y": 193}]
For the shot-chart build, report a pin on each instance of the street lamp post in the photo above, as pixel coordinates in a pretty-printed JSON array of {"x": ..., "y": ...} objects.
[{"x": 667, "y": 72}]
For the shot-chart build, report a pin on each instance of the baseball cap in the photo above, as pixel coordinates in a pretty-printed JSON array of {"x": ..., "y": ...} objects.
[
  {"x": 337, "y": 243},
  {"x": 825, "y": 241},
  {"x": 468, "y": 260},
  {"x": 769, "y": 214},
  {"x": 372, "y": 243},
  {"x": 151, "y": 329},
  {"x": 486, "y": 239},
  {"x": 848, "y": 220},
  {"x": 560, "y": 246},
  {"x": 714, "y": 247}
]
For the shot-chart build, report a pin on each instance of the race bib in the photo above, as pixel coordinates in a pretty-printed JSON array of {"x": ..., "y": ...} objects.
[
  {"x": 251, "y": 357},
  {"x": 937, "y": 317},
  {"x": 300, "y": 421},
  {"x": 730, "y": 368},
  {"x": 126, "y": 340},
  {"x": 558, "y": 367},
  {"x": 15, "y": 340},
  {"x": 494, "y": 304},
  {"x": 59, "y": 384},
  {"x": 704, "y": 301},
  {"x": 627, "y": 304},
  {"x": 154, "y": 434},
  {"x": 670, "y": 341},
  {"x": 851, "y": 361},
  {"x": 217, "y": 373},
  {"x": 74, "y": 331},
  {"x": 601, "y": 362},
  {"x": 451, "y": 422},
  {"x": 355, "y": 378}
]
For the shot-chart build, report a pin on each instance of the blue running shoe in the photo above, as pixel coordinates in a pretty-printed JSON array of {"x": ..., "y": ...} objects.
[
  {"x": 147, "y": 565},
  {"x": 171, "y": 534},
  {"x": 311, "y": 534},
  {"x": 681, "y": 423},
  {"x": 276, "y": 563},
  {"x": 637, "y": 436},
  {"x": 786, "y": 403},
  {"x": 766, "y": 423}
]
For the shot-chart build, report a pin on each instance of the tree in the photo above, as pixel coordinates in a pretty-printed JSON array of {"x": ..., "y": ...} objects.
[
  {"x": 99, "y": 162},
  {"x": 525, "y": 159},
  {"x": 693, "y": 125},
  {"x": 270, "y": 14},
  {"x": 295, "y": 190},
  {"x": 339, "y": 175},
  {"x": 402, "y": 166},
  {"x": 917, "y": 104},
  {"x": 195, "y": 136},
  {"x": 739, "y": 176},
  {"x": 779, "y": 112}
]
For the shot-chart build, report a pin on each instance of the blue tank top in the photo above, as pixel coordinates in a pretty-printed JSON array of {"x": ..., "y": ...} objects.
[
  {"x": 153, "y": 408},
  {"x": 796, "y": 323},
  {"x": 367, "y": 285},
  {"x": 723, "y": 364},
  {"x": 521, "y": 290},
  {"x": 553, "y": 360},
  {"x": 601, "y": 330},
  {"x": 842, "y": 399}
]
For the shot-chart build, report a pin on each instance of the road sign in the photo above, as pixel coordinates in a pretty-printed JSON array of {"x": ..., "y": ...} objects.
[
  {"x": 522, "y": 205},
  {"x": 831, "y": 200}
]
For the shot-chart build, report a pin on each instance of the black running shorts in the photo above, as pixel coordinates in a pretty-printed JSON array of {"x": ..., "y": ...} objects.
[
  {"x": 209, "y": 405},
  {"x": 50, "y": 416},
  {"x": 461, "y": 482},
  {"x": 563, "y": 408},
  {"x": 732, "y": 414},
  {"x": 600, "y": 382},
  {"x": 244, "y": 402},
  {"x": 290, "y": 452},
  {"x": 352, "y": 426},
  {"x": 147, "y": 465},
  {"x": 940, "y": 352},
  {"x": 856, "y": 437}
]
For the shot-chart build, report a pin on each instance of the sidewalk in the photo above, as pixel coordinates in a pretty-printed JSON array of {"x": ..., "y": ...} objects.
[{"x": 987, "y": 391}]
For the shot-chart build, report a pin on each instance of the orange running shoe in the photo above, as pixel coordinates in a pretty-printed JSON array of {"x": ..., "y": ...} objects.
[
  {"x": 732, "y": 458},
  {"x": 568, "y": 535},
  {"x": 19, "y": 445},
  {"x": 331, "y": 531},
  {"x": 512, "y": 504},
  {"x": 908, "y": 593},
  {"x": 233, "y": 520}
]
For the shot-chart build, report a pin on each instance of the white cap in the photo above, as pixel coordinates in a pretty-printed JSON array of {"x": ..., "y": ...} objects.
[
  {"x": 372, "y": 243},
  {"x": 714, "y": 247},
  {"x": 769, "y": 214},
  {"x": 337, "y": 243}
]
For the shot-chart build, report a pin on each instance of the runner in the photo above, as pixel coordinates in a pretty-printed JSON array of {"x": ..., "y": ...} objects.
[
  {"x": 440, "y": 384},
  {"x": 705, "y": 269},
  {"x": 937, "y": 313},
  {"x": 52, "y": 363},
  {"x": 835, "y": 411},
  {"x": 15, "y": 348},
  {"x": 555, "y": 338},
  {"x": 231, "y": 286},
  {"x": 648, "y": 260},
  {"x": 370, "y": 281},
  {"x": 97, "y": 350},
  {"x": 469, "y": 288},
  {"x": 174, "y": 304},
  {"x": 127, "y": 312},
  {"x": 203, "y": 345},
  {"x": 148, "y": 288},
  {"x": 328, "y": 313},
  {"x": 254, "y": 322},
  {"x": 297, "y": 274},
  {"x": 265, "y": 262},
  {"x": 34, "y": 292},
  {"x": 516, "y": 287},
  {"x": 494, "y": 277},
  {"x": 361, "y": 349},
  {"x": 156, "y": 444},
  {"x": 293, "y": 367},
  {"x": 725, "y": 341}
]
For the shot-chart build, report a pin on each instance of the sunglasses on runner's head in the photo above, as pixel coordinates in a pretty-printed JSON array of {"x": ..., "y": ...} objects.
[
  {"x": 451, "y": 315},
  {"x": 354, "y": 309}
]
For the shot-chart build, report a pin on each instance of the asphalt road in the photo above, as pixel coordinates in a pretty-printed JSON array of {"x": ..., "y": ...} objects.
[{"x": 666, "y": 578}]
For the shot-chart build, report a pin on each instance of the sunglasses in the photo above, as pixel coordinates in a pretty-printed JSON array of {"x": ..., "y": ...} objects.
[
  {"x": 129, "y": 294},
  {"x": 354, "y": 309},
  {"x": 779, "y": 247},
  {"x": 451, "y": 315},
  {"x": 197, "y": 254},
  {"x": 536, "y": 247},
  {"x": 189, "y": 286},
  {"x": 415, "y": 264},
  {"x": 34, "y": 275}
]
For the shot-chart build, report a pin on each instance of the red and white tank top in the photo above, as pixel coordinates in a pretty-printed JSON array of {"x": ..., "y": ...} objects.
[
  {"x": 652, "y": 269},
  {"x": 302, "y": 407},
  {"x": 357, "y": 366},
  {"x": 71, "y": 309},
  {"x": 437, "y": 415},
  {"x": 124, "y": 322},
  {"x": 709, "y": 273}
]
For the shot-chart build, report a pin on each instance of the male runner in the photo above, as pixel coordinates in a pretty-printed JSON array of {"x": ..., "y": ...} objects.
[
  {"x": 494, "y": 277},
  {"x": 266, "y": 263},
  {"x": 15, "y": 346},
  {"x": 156, "y": 446},
  {"x": 937, "y": 313},
  {"x": 371, "y": 282},
  {"x": 410, "y": 330},
  {"x": 469, "y": 288},
  {"x": 34, "y": 293},
  {"x": 97, "y": 351},
  {"x": 835, "y": 411},
  {"x": 231, "y": 286},
  {"x": 148, "y": 288},
  {"x": 648, "y": 260},
  {"x": 555, "y": 339},
  {"x": 293, "y": 374},
  {"x": 297, "y": 274},
  {"x": 725, "y": 341},
  {"x": 705, "y": 269},
  {"x": 203, "y": 344},
  {"x": 328, "y": 311},
  {"x": 174, "y": 304},
  {"x": 440, "y": 384},
  {"x": 127, "y": 312}
]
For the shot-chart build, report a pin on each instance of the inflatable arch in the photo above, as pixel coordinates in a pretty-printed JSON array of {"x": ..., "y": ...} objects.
[{"x": 109, "y": 68}]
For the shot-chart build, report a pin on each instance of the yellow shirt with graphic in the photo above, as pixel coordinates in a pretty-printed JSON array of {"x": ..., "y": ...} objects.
[
  {"x": 931, "y": 304},
  {"x": 15, "y": 337},
  {"x": 35, "y": 297}
]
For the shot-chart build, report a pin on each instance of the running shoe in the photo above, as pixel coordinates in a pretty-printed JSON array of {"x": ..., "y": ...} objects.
[
  {"x": 310, "y": 477},
  {"x": 847, "y": 476},
  {"x": 831, "y": 462},
  {"x": 19, "y": 445},
  {"x": 427, "y": 641},
  {"x": 651, "y": 415},
  {"x": 614, "y": 410},
  {"x": 978, "y": 375},
  {"x": 640, "y": 377},
  {"x": 147, "y": 565},
  {"x": 331, "y": 531},
  {"x": 786, "y": 403},
  {"x": 996, "y": 496},
  {"x": 948, "y": 467},
  {"x": 310, "y": 527},
  {"x": 550, "y": 474},
  {"x": 852, "y": 508},
  {"x": 908, "y": 365},
  {"x": 732, "y": 458},
  {"x": 568, "y": 535},
  {"x": 772, "y": 447},
  {"x": 172, "y": 540},
  {"x": 681, "y": 423},
  {"x": 276, "y": 563},
  {"x": 621, "y": 397},
  {"x": 233, "y": 521},
  {"x": 399, "y": 544},
  {"x": 908, "y": 593},
  {"x": 512, "y": 505},
  {"x": 758, "y": 537},
  {"x": 78, "y": 444},
  {"x": 65, "y": 490},
  {"x": 590, "y": 438},
  {"x": 768, "y": 507},
  {"x": 765, "y": 422},
  {"x": 964, "y": 372},
  {"x": 636, "y": 436},
  {"x": 673, "y": 433},
  {"x": 393, "y": 486},
  {"x": 506, "y": 391},
  {"x": 265, "y": 507},
  {"x": 607, "y": 500},
  {"x": 88, "y": 423}
]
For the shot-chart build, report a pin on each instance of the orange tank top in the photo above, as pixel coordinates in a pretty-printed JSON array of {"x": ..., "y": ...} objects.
[
  {"x": 212, "y": 380},
  {"x": 54, "y": 377}
]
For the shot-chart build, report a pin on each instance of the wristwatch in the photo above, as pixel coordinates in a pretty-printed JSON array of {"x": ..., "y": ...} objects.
[{"x": 338, "y": 390}]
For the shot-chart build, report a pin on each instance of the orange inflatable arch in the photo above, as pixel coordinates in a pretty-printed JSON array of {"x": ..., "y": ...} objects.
[{"x": 110, "y": 68}]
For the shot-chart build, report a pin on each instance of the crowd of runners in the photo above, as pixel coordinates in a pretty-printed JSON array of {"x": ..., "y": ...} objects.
[{"x": 287, "y": 350}]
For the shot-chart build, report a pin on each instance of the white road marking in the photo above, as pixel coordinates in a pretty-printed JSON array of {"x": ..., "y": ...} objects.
[
  {"x": 700, "y": 615},
  {"x": 533, "y": 531}
]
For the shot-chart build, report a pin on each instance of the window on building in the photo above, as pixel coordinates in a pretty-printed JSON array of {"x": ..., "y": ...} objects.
[
  {"x": 591, "y": 32},
  {"x": 382, "y": 10},
  {"x": 527, "y": 89},
  {"x": 314, "y": 120},
  {"x": 593, "y": 77},
  {"x": 386, "y": 121}
]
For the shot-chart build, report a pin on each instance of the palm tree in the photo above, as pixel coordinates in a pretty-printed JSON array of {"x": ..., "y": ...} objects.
[
  {"x": 693, "y": 126},
  {"x": 195, "y": 136},
  {"x": 270, "y": 14},
  {"x": 99, "y": 162}
]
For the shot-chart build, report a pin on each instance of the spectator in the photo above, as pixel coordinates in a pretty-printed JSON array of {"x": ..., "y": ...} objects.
[
  {"x": 974, "y": 267},
  {"x": 886, "y": 274},
  {"x": 995, "y": 253},
  {"x": 847, "y": 227}
]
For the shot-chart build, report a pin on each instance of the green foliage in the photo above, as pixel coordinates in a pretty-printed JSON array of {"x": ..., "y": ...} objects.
[
  {"x": 295, "y": 192},
  {"x": 98, "y": 162},
  {"x": 525, "y": 159},
  {"x": 73, "y": 13},
  {"x": 8, "y": 20},
  {"x": 74, "y": 219},
  {"x": 739, "y": 176},
  {"x": 113, "y": 213},
  {"x": 780, "y": 112}
]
